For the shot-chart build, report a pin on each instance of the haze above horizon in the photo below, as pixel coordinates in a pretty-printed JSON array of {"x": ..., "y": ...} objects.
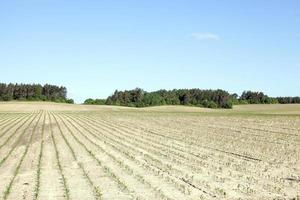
[{"x": 95, "y": 47}]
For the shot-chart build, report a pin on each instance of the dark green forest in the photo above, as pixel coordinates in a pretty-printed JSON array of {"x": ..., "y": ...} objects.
[
  {"x": 91, "y": 101},
  {"x": 286, "y": 100},
  {"x": 191, "y": 97},
  {"x": 196, "y": 97},
  {"x": 33, "y": 92},
  {"x": 250, "y": 97},
  {"x": 140, "y": 98}
]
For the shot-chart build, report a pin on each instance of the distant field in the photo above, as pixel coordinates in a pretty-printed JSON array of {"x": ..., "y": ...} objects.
[{"x": 60, "y": 151}]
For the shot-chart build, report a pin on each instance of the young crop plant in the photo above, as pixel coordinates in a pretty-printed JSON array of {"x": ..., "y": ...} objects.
[
  {"x": 66, "y": 187},
  {"x": 38, "y": 174},
  {"x": 18, "y": 140},
  {"x": 96, "y": 190},
  {"x": 8, "y": 189}
]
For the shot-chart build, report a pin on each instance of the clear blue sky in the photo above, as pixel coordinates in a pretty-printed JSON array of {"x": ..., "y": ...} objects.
[{"x": 96, "y": 46}]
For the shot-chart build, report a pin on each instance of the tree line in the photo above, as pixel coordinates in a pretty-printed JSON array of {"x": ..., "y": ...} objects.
[
  {"x": 250, "y": 97},
  {"x": 286, "y": 100},
  {"x": 91, "y": 101},
  {"x": 33, "y": 92},
  {"x": 193, "y": 97},
  {"x": 260, "y": 98},
  {"x": 141, "y": 98}
]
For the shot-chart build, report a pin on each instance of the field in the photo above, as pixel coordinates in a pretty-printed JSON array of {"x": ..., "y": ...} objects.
[{"x": 58, "y": 151}]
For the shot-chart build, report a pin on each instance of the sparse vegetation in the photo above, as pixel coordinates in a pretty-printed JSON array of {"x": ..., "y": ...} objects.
[
  {"x": 16, "y": 171},
  {"x": 65, "y": 184},
  {"x": 38, "y": 173},
  {"x": 153, "y": 153}
]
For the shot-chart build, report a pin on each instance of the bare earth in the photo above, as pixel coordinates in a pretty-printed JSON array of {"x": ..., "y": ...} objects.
[{"x": 58, "y": 151}]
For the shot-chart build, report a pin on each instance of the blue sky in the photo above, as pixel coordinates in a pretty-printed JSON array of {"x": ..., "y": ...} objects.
[{"x": 96, "y": 46}]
